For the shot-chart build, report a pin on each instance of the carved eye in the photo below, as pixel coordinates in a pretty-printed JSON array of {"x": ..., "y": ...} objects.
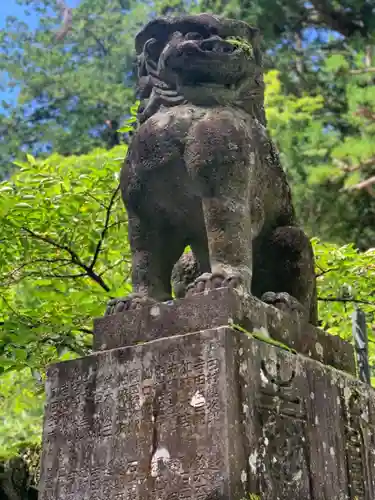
[{"x": 193, "y": 36}]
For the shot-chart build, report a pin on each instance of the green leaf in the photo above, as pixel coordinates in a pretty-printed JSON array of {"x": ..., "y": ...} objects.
[
  {"x": 352, "y": 179},
  {"x": 30, "y": 159},
  {"x": 336, "y": 62}
]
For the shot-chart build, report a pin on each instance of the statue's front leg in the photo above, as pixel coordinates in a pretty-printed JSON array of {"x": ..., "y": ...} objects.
[
  {"x": 152, "y": 262},
  {"x": 218, "y": 155},
  {"x": 228, "y": 230}
]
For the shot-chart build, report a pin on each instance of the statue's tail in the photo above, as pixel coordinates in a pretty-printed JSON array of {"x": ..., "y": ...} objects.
[{"x": 185, "y": 272}]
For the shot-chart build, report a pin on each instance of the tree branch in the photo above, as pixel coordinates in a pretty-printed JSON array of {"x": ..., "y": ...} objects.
[
  {"x": 85, "y": 330},
  {"x": 339, "y": 21},
  {"x": 36, "y": 261},
  {"x": 105, "y": 229},
  {"x": 96, "y": 200},
  {"x": 326, "y": 271},
  {"x": 361, "y": 71},
  {"x": 54, "y": 275},
  {"x": 109, "y": 268},
  {"x": 364, "y": 184},
  {"x": 359, "y": 166},
  {"x": 67, "y": 18},
  {"x": 74, "y": 257},
  {"x": 345, "y": 300}
]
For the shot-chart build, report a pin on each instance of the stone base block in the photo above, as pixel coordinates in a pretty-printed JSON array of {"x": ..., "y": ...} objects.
[
  {"x": 211, "y": 415},
  {"x": 221, "y": 307}
]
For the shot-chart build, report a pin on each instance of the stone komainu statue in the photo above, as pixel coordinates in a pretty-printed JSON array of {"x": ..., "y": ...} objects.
[{"x": 202, "y": 171}]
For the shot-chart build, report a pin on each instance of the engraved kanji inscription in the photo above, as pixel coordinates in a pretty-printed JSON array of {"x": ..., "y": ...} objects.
[
  {"x": 146, "y": 422},
  {"x": 282, "y": 464},
  {"x": 356, "y": 414}
]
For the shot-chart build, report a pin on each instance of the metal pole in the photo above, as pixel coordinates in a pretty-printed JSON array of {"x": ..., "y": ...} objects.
[{"x": 361, "y": 344}]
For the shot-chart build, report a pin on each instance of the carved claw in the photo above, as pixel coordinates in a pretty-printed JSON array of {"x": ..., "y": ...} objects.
[
  {"x": 285, "y": 302},
  {"x": 130, "y": 302},
  {"x": 210, "y": 281}
]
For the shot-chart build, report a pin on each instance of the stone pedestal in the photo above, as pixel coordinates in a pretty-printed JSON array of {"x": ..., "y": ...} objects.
[{"x": 205, "y": 413}]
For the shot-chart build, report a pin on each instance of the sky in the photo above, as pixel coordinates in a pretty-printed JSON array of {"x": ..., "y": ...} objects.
[{"x": 11, "y": 8}]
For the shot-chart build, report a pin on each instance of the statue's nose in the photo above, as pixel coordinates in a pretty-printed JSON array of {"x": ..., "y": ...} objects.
[
  {"x": 189, "y": 47},
  {"x": 178, "y": 50}
]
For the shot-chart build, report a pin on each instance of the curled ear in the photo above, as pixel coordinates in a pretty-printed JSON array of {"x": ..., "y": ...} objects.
[
  {"x": 140, "y": 66},
  {"x": 157, "y": 29}
]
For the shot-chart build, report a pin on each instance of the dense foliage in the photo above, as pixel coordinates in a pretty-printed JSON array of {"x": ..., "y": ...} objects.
[
  {"x": 64, "y": 251},
  {"x": 21, "y": 410}
]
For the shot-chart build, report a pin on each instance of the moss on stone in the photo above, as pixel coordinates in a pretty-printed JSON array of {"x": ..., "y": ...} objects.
[
  {"x": 259, "y": 335},
  {"x": 241, "y": 43}
]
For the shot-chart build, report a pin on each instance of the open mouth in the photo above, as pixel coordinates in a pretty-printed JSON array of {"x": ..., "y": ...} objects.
[
  {"x": 202, "y": 61},
  {"x": 211, "y": 47}
]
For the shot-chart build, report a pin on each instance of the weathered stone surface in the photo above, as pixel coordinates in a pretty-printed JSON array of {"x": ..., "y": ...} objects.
[
  {"x": 308, "y": 439},
  {"x": 220, "y": 307},
  {"x": 359, "y": 433},
  {"x": 156, "y": 421},
  {"x": 203, "y": 416}
]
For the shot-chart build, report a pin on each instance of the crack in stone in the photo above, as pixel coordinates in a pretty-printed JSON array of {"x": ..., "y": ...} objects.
[{"x": 154, "y": 437}]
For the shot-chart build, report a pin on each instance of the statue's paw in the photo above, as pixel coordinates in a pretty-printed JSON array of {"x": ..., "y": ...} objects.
[
  {"x": 130, "y": 302},
  {"x": 210, "y": 281},
  {"x": 285, "y": 302}
]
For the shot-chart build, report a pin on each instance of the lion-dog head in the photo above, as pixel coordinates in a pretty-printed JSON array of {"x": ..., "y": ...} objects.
[{"x": 203, "y": 60}]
